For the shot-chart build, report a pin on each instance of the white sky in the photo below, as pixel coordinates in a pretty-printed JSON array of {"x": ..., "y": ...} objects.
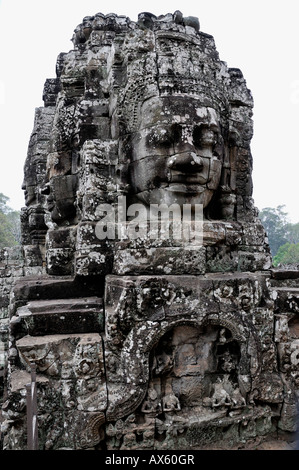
[{"x": 258, "y": 36}]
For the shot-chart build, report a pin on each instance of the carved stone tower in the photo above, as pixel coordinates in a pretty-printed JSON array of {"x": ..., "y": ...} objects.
[{"x": 141, "y": 341}]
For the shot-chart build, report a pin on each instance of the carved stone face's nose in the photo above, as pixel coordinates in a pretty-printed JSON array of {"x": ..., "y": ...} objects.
[{"x": 187, "y": 162}]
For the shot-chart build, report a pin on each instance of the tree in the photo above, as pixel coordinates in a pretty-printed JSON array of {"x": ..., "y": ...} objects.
[
  {"x": 293, "y": 233},
  {"x": 276, "y": 225},
  {"x": 13, "y": 218},
  {"x": 3, "y": 204},
  {"x": 10, "y": 227},
  {"x": 283, "y": 236},
  {"x": 287, "y": 254}
]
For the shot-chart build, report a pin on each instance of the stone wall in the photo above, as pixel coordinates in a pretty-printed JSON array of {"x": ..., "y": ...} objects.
[{"x": 11, "y": 268}]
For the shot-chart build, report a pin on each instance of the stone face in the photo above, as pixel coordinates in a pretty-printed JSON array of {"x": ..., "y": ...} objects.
[{"x": 146, "y": 296}]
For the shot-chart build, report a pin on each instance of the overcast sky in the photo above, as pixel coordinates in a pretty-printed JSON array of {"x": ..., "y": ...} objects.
[{"x": 260, "y": 37}]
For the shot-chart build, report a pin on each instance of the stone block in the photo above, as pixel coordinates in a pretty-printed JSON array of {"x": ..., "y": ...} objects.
[
  {"x": 41, "y": 317},
  {"x": 166, "y": 260},
  {"x": 60, "y": 261},
  {"x": 33, "y": 255},
  {"x": 254, "y": 261},
  {"x": 65, "y": 237},
  {"x": 289, "y": 417},
  {"x": 221, "y": 259},
  {"x": 93, "y": 260}
]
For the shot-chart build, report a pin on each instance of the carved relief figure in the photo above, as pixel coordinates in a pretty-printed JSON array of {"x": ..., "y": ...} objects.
[{"x": 192, "y": 369}]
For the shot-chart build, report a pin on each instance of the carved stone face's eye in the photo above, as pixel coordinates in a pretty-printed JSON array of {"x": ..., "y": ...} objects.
[
  {"x": 208, "y": 136},
  {"x": 160, "y": 137},
  {"x": 197, "y": 136},
  {"x": 176, "y": 133},
  {"x": 165, "y": 136},
  {"x": 204, "y": 136}
]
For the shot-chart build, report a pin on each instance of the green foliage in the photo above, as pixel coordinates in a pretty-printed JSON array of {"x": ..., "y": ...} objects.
[
  {"x": 3, "y": 204},
  {"x": 293, "y": 233},
  {"x": 287, "y": 254},
  {"x": 276, "y": 225},
  {"x": 10, "y": 227},
  {"x": 283, "y": 236}
]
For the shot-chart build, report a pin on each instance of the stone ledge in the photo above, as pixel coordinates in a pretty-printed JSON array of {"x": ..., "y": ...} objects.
[{"x": 59, "y": 316}]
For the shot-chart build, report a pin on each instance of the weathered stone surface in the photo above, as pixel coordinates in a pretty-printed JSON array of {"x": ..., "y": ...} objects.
[
  {"x": 40, "y": 317},
  {"x": 70, "y": 382},
  {"x": 172, "y": 333}
]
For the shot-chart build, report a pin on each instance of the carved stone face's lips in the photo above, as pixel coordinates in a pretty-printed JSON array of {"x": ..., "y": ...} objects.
[
  {"x": 187, "y": 179},
  {"x": 185, "y": 188},
  {"x": 187, "y": 182}
]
